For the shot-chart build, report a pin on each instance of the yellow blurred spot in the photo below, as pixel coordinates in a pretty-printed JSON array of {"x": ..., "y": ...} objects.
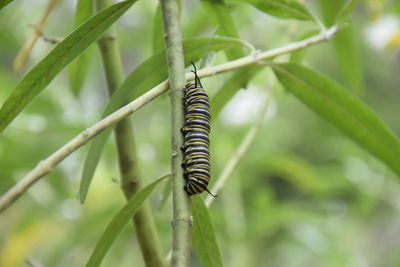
[
  {"x": 22, "y": 244},
  {"x": 394, "y": 42}
]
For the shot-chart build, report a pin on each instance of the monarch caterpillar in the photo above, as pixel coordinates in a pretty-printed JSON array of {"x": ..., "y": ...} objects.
[{"x": 196, "y": 130}]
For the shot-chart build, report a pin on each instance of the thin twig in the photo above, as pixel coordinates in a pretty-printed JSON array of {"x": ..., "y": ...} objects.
[
  {"x": 45, "y": 166},
  {"x": 241, "y": 151},
  {"x": 181, "y": 226},
  {"x": 44, "y": 37},
  {"x": 20, "y": 60},
  {"x": 259, "y": 57}
]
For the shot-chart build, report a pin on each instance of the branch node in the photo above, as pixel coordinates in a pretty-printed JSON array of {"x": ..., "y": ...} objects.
[
  {"x": 188, "y": 220},
  {"x": 131, "y": 184},
  {"x": 258, "y": 60},
  {"x": 86, "y": 133},
  {"x": 39, "y": 32},
  {"x": 329, "y": 33}
]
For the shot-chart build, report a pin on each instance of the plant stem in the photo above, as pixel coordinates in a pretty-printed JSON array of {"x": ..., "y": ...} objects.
[
  {"x": 176, "y": 69},
  {"x": 23, "y": 54},
  {"x": 131, "y": 181},
  {"x": 45, "y": 166}
]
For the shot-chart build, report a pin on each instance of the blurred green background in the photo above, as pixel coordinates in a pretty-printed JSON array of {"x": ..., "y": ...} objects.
[{"x": 304, "y": 194}]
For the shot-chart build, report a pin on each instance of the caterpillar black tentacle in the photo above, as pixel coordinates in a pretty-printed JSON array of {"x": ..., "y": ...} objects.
[{"x": 196, "y": 131}]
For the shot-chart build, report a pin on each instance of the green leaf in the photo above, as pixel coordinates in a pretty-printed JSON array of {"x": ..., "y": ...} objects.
[
  {"x": 330, "y": 10},
  {"x": 165, "y": 193},
  {"x": 3, "y": 3},
  {"x": 84, "y": 10},
  {"x": 147, "y": 75},
  {"x": 118, "y": 223},
  {"x": 220, "y": 14},
  {"x": 348, "y": 55},
  {"x": 204, "y": 241},
  {"x": 195, "y": 26},
  {"x": 298, "y": 56},
  {"x": 342, "y": 109},
  {"x": 288, "y": 9},
  {"x": 78, "y": 71},
  {"x": 73, "y": 45},
  {"x": 158, "y": 30},
  {"x": 346, "y": 11},
  {"x": 347, "y": 50},
  {"x": 236, "y": 82},
  {"x": 78, "y": 68}
]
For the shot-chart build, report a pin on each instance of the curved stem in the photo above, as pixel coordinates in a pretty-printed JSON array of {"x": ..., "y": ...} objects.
[{"x": 45, "y": 166}]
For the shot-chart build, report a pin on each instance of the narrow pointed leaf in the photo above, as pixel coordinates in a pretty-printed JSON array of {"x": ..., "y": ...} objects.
[
  {"x": 330, "y": 10},
  {"x": 342, "y": 109},
  {"x": 220, "y": 14},
  {"x": 84, "y": 10},
  {"x": 119, "y": 222},
  {"x": 165, "y": 194},
  {"x": 346, "y": 11},
  {"x": 3, "y": 3},
  {"x": 345, "y": 43},
  {"x": 298, "y": 56},
  {"x": 67, "y": 50},
  {"x": 147, "y": 75},
  {"x": 78, "y": 69},
  {"x": 289, "y": 9},
  {"x": 158, "y": 30},
  {"x": 204, "y": 241},
  {"x": 349, "y": 57}
]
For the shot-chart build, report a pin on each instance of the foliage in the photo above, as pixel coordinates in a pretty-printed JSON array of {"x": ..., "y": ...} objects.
[{"x": 318, "y": 186}]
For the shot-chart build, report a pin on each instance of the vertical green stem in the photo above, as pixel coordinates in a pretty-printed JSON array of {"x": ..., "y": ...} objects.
[
  {"x": 181, "y": 205},
  {"x": 131, "y": 181}
]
